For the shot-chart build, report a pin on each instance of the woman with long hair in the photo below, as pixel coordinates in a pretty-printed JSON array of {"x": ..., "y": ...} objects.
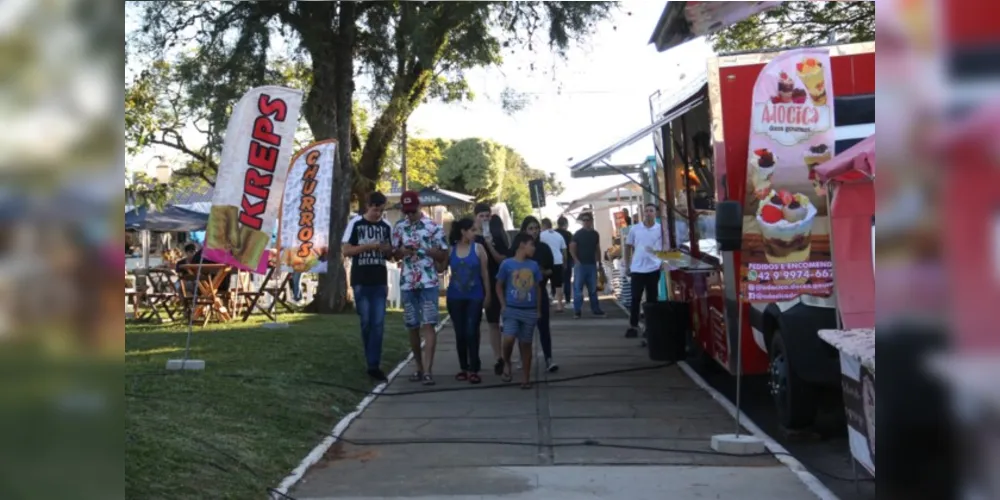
[
  {"x": 497, "y": 246},
  {"x": 467, "y": 294},
  {"x": 546, "y": 262}
]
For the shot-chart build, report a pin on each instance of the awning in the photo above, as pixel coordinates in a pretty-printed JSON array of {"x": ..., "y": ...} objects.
[
  {"x": 682, "y": 22},
  {"x": 625, "y": 193},
  {"x": 689, "y": 98},
  {"x": 857, "y": 163},
  {"x": 170, "y": 219}
]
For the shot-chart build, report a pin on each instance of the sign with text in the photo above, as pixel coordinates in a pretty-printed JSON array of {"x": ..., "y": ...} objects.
[
  {"x": 537, "y": 190},
  {"x": 258, "y": 145},
  {"x": 786, "y": 229},
  {"x": 305, "y": 210}
]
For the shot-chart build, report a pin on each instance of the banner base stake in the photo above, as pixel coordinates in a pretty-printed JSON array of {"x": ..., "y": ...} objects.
[{"x": 744, "y": 445}]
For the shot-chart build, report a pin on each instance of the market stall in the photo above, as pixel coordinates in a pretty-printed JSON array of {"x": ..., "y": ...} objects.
[{"x": 850, "y": 185}]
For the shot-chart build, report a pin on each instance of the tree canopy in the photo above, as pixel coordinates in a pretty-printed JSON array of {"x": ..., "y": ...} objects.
[
  {"x": 475, "y": 167},
  {"x": 397, "y": 54},
  {"x": 793, "y": 24}
]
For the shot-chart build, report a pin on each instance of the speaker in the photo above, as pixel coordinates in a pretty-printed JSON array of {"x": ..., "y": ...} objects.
[{"x": 729, "y": 226}]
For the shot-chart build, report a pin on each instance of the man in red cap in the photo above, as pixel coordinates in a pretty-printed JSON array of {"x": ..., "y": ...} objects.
[{"x": 419, "y": 242}]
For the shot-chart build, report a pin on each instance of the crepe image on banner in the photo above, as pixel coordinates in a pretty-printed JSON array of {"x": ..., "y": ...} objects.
[
  {"x": 254, "y": 244},
  {"x": 223, "y": 231}
]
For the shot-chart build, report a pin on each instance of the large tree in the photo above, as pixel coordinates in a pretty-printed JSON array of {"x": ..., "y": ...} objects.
[
  {"x": 794, "y": 24},
  {"x": 402, "y": 53},
  {"x": 475, "y": 167},
  {"x": 423, "y": 158}
]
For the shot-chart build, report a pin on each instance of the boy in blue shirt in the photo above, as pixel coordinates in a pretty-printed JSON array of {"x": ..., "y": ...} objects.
[{"x": 519, "y": 292}]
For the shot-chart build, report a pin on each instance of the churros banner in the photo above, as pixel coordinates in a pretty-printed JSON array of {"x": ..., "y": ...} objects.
[
  {"x": 305, "y": 213},
  {"x": 786, "y": 240},
  {"x": 259, "y": 142}
]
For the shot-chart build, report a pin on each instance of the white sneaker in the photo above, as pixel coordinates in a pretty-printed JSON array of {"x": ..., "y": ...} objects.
[{"x": 551, "y": 366}]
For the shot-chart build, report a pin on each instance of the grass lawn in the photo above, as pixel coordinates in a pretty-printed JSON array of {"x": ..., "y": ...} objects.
[{"x": 216, "y": 435}]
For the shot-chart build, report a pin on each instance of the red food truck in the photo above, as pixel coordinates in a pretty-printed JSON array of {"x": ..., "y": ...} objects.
[
  {"x": 752, "y": 129},
  {"x": 767, "y": 120}
]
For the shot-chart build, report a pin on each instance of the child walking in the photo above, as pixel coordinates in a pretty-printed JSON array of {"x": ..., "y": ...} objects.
[{"x": 519, "y": 292}]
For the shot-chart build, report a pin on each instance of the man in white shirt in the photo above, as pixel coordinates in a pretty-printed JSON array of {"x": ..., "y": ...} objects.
[
  {"x": 642, "y": 264},
  {"x": 557, "y": 244}
]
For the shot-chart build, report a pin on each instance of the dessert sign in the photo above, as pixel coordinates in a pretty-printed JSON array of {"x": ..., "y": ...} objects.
[
  {"x": 258, "y": 145},
  {"x": 304, "y": 234},
  {"x": 786, "y": 245}
]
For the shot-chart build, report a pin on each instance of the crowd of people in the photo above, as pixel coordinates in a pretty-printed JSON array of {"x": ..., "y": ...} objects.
[{"x": 513, "y": 283}]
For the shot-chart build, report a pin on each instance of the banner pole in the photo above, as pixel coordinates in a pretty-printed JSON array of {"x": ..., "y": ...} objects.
[{"x": 278, "y": 325}]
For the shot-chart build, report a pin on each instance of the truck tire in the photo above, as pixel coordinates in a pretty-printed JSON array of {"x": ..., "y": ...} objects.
[{"x": 793, "y": 397}]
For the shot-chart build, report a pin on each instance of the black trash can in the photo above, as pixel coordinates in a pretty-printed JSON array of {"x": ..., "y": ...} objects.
[{"x": 668, "y": 325}]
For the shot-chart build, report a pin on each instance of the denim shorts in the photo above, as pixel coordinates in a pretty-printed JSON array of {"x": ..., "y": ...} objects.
[
  {"x": 520, "y": 324},
  {"x": 420, "y": 307}
]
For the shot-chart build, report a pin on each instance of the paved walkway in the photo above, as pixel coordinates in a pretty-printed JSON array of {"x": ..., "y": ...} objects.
[{"x": 549, "y": 434}]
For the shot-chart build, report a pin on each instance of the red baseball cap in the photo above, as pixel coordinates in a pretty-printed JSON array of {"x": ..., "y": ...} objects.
[{"x": 410, "y": 201}]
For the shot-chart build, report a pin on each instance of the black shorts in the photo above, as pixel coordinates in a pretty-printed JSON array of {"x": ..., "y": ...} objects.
[
  {"x": 493, "y": 310},
  {"x": 557, "y": 276}
]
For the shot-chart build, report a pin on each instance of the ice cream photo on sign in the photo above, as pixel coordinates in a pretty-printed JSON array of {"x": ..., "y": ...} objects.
[{"x": 786, "y": 225}]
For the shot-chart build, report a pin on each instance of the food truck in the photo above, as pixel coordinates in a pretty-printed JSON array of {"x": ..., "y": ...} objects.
[
  {"x": 774, "y": 117},
  {"x": 752, "y": 128}
]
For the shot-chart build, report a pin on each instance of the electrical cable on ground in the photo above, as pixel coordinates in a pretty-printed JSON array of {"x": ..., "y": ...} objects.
[{"x": 369, "y": 392}]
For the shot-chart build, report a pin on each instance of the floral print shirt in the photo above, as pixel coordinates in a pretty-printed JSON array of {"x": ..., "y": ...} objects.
[{"x": 418, "y": 272}]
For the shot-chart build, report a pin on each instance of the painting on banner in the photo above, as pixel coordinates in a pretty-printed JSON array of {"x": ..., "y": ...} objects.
[
  {"x": 786, "y": 244},
  {"x": 305, "y": 212},
  {"x": 258, "y": 145}
]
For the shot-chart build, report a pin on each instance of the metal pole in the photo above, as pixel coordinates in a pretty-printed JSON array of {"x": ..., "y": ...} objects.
[
  {"x": 194, "y": 305},
  {"x": 739, "y": 369}
]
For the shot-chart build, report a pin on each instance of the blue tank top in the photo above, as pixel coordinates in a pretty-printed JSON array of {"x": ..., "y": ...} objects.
[{"x": 466, "y": 276}]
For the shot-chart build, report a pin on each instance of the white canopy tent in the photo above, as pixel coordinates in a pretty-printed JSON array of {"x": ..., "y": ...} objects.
[{"x": 625, "y": 194}]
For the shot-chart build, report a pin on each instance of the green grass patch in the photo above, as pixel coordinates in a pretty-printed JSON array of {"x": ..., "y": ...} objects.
[{"x": 242, "y": 425}]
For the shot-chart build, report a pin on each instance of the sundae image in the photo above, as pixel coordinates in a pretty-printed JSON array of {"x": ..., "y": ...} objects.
[
  {"x": 799, "y": 96},
  {"x": 786, "y": 222},
  {"x": 868, "y": 396},
  {"x": 817, "y": 155},
  {"x": 785, "y": 87},
  {"x": 811, "y": 73},
  {"x": 762, "y": 163}
]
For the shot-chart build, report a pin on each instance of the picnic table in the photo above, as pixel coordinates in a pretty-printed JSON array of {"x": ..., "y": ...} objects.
[{"x": 207, "y": 305}]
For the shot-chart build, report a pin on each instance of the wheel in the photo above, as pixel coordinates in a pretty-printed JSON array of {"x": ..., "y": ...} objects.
[{"x": 793, "y": 397}]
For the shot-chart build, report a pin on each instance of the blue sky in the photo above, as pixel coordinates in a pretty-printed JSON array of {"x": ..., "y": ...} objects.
[{"x": 576, "y": 107}]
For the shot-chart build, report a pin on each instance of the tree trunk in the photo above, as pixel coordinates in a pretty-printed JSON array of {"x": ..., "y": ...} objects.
[{"x": 328, "y": 111}]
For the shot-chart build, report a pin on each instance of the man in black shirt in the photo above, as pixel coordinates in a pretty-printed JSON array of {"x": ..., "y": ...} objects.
[
  {"x": 367, "y": 241},
  {"x": 497, "y": 250},
  {"x": 586, "y": 252},
  {"x": 563, "y": 231}
]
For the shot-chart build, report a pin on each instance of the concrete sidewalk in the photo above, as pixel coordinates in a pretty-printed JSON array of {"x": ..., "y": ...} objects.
[{"x": 549, "y": 433}]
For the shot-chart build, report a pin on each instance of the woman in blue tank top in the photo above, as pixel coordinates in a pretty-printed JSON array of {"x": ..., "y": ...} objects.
[{"x": 467, "y": 296}]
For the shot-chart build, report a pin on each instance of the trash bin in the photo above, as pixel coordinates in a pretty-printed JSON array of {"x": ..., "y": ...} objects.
[{"x": 667, "y": 328}]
